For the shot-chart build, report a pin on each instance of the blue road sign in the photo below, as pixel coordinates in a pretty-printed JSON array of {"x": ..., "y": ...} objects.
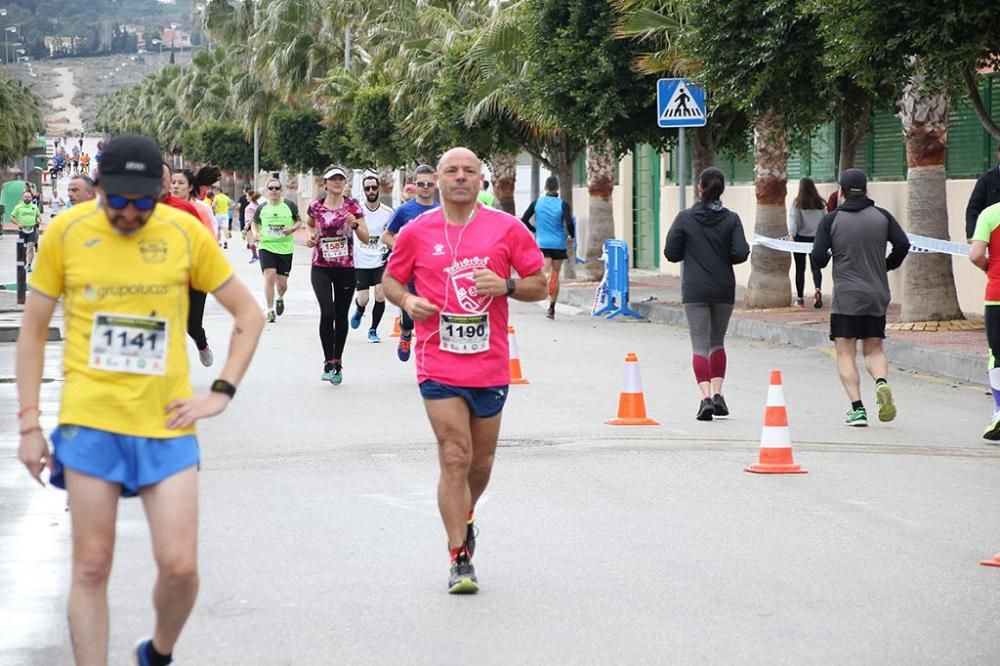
[{"x": 679, "y": 103}]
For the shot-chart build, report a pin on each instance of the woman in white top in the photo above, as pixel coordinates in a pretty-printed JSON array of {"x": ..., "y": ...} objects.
[{"x": 803, "y": 219}]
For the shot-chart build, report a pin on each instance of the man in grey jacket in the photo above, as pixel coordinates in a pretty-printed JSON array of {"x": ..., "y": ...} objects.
[{"x": 855, "y": 235}]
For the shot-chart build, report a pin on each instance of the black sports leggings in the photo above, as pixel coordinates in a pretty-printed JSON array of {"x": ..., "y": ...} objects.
[
  {"x": 334, "y": 289},
  {"x": 196, "y": 315},
  {"x": 800, "y": 268}
]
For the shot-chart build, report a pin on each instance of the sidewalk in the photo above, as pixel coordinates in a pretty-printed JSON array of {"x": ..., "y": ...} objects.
[{"x": 959, "y": 354}]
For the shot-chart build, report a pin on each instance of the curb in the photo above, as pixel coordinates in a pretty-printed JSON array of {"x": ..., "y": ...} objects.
[
  {"x": 964, "y": 367},
  {"x": 10, "y": 333}
]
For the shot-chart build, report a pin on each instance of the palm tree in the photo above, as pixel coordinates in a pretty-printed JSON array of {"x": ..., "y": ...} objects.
[{"x": 928, "y": 280}]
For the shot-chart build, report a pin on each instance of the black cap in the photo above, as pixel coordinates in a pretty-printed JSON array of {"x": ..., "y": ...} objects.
[
  {"x": 131, "y": 164},
  {"x": 853, "y": 182}
]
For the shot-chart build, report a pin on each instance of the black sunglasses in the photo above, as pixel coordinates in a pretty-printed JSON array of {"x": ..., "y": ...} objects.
[
  {"x": 424, "y": 183},
  {"x": 274, "y": 189},
  {"x": 371, "y": 188}
]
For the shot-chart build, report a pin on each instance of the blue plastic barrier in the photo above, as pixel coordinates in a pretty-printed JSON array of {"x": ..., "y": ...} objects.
[{"x": 616, "y": 260}]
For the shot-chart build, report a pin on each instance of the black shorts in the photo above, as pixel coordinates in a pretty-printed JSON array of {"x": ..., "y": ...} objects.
[
  {"x": 856, "y": 326},
  {"x": 281, "y": 263},
  {"x": 368, "y": 277},
  {"x": 549, "y": 253},
  {"x": 29, "y": 236}
]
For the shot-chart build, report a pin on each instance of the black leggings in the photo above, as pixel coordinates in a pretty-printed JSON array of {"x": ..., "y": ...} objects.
[
  {"x": 800, "y": 268},
  {"x": 196, "y": 315},
  {"x": 406, "y": 323},
  {"x": 334, "y": 289}
]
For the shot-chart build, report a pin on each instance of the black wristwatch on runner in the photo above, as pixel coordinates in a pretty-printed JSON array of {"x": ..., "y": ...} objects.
[
  {"x": 511, "y": 287},
  {"x": 222, "y": 386}
]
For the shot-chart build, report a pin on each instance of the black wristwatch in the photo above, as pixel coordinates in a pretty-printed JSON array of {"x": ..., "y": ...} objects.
[
  {"x": 222, "y": 386},
  {"x": 510, "y": 287}
]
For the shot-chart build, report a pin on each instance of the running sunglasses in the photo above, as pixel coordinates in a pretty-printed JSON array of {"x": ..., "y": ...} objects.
[
  {"x": 425, "y": 183},
  {"x": 273, "y": 188},
  {"x": 371, "y": 188},
  {"x": 118, "y": 202}
]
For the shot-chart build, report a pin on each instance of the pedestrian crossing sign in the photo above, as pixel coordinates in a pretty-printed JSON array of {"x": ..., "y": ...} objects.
[{"x": 679, "y": 103}]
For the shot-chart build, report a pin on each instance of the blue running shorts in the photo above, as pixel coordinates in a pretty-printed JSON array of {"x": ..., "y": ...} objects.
[
  {"x": 132, "y": 462},
  {"x": 484, "y": 402}
]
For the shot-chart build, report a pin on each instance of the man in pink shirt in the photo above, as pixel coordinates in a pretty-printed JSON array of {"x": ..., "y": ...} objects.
[{"x": 462, "y": 257}]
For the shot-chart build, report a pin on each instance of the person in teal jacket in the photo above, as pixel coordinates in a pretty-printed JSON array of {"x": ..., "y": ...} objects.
[{"x": 553, "y": 228}]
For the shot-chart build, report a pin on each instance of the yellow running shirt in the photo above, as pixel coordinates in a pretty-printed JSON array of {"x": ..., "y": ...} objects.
[
  {"x": 221, "y": 205},
  {"x": 126, "y": 307}
]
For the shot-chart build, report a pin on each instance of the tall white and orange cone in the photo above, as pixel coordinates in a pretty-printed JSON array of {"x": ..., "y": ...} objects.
[
  {"x": 775, "y": 438},
  {"x": 515, "y": 358},
  {"x": 995, "y": 562},
  {"x": 631, "y": 403},
  {"x": 396, "y": 332}
]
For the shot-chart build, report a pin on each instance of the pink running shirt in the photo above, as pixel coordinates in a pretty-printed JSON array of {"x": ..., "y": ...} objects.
[
  {"x": 335, "y": 238},
  {"x": 441, "y": 258}
]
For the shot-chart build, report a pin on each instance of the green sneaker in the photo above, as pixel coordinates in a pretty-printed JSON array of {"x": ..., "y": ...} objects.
[
  {"x": 886, "y": 407},
  {"x": 992, "y": 431},
  {"x": 857, "y": 418},
  {"x": 270, "y": 316}
]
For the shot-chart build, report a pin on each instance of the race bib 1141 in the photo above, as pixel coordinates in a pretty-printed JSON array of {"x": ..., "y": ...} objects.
[{"x": 127, "y": 343}]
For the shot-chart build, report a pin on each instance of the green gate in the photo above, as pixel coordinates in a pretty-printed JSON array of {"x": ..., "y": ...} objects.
[{"x": 646, "y": 207}]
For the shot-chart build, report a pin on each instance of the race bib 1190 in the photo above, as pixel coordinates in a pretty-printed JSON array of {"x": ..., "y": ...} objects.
[{"x": 465, "y": 333}]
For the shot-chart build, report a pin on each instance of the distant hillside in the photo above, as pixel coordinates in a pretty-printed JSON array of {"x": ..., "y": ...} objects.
[{"x": 89, "y": 27}]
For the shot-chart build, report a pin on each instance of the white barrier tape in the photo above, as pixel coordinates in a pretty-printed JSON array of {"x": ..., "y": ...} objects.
[{"x": 917, "y": 244}]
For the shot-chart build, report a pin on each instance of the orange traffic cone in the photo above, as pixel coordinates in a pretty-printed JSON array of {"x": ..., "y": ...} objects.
[
  {"x": 631, "y": 403},
  {"x": 995, "y": 562},
  {"x": 515, "y": 358},
  {"x": 775, "y": 438},
  {"x": 395, "y": 327}
]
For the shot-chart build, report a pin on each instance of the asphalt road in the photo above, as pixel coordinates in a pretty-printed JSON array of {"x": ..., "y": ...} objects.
[{"x": 321, "y": 542}]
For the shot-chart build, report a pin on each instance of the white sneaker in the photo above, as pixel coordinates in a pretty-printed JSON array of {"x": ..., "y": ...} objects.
[{"x": 206, "y": 356}]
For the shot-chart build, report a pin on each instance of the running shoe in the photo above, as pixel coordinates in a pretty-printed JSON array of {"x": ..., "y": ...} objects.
[
  {"x": 800, "y": 303},
  {"x": 818, "y": 299},
  {"x": 992, "y": 432},
  {"x": 206, "y": 357},
  {"x": 551, "y": 314},
  {"x": 356, "y": 318},
  {"x": 721, "y": 408},
  {"x": 338, "y": 374},
  {"x": 471, "y": 532},
  {"x": 225, "y": 246},
  {"x": 140, "y": 653},
  {"x": 253, "y": 260},
  {"x": 462, "y": 577},
  {"x": 706, "y": 410},
  {"x": 270, "y": 316},
  {"x": 857, "y": 418},
  {"x": 279, "y": 306},
  {"x": 373, "y": 336},
  {"x": 403, "y": 350},
  {"x": 886, "y": 407}
]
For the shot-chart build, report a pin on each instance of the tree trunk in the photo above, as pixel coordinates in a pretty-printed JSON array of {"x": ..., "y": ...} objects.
[
  {"x": 769, "y": 286},
  {"x": 928, "y": 282},
  {"x": 385, "y": 178},
  {"x": 504, "y": 169},
  {"x": 601, "y": 162},
  {"x": 564, "y": 172},
  {"x": 853, "y": 125},
  {"x": 702, "y": 143}
]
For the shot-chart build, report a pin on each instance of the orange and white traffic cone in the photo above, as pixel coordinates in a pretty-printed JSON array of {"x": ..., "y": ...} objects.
[
  {"x": 775, "y": 438},
  {"x": 995, "y": 562},
  {"x": 396, "y": 332},
  {"x": 631, "y": 403},
  {"x": 515, "y": 358}
]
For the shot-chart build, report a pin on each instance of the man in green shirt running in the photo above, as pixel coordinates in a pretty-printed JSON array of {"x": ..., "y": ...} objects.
[
  {"x": 27, "y": 216},
  {"x": 274, "y": 223}
]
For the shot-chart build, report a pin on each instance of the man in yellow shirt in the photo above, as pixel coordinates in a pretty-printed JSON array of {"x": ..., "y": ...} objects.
[
  {"x": 121, "y": 265},
  {"x": 222, "y": 208}
]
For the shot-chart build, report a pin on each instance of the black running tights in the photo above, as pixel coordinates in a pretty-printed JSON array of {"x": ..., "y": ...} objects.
[
  {"x": 196, "y": 315},
  {"x": 334, "y": 289}
]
